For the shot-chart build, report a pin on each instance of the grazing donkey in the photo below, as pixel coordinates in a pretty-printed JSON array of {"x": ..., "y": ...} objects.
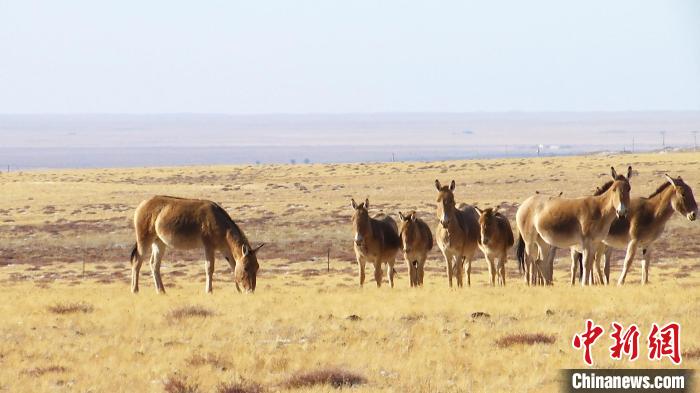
[
  {"x": 376, "y": 240},
  {"x": 582, "y": 223},
  {"x": 417, "y": 241},
  {"x": 457, "y": 234},
  {"x": 644, "y": 224},
  {"x": 496, "y": 239},
  {"x": 165, "y": 221}
]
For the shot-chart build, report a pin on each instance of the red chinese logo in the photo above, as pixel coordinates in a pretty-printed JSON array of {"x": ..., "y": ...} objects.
[
  {"x": 587, "y": 339},
  {"x": 626, "y": 342},
  {"x": 665, "y": 341}
]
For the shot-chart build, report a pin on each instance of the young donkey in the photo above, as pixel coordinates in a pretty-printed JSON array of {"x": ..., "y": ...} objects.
[
  {"x": 496, "y": 239},
  {"x": 164, "y": 221},
  {"x": 645, "y": 223},
  {"x": 457, "y": 233},
  {"x": 376, "y": 240},
  {"x": 417, "y": 241}
]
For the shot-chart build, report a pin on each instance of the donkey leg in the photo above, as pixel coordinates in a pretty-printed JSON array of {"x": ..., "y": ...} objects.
[
  {"x": 631, "y": 251},
  {"x": 209, "y": 268},
  {"x": 448, "y": 266},
  {"x": 156, "y": 257},
  {"x": 588, "y": 256},
  {"x": 492, "y": 270},
  {"x": 378, "y": 273},
  {"x": 391, "y": 271},
  {"x": 606, "y": 264},
  {"x": 502, "y": 268},
  {"x": 361, "y": 266},
  {"x": 596, "y": 260},
  {"x": 574, "y": 266},
  {"x": 414, "y": 272},
  {"x": 136, "y": 267},
  {"x": 646, "y": 261},
  {"x": 468, "y": 261},
  {"x": 458, "y": 269},
  {"x": 421, "y": 270}
]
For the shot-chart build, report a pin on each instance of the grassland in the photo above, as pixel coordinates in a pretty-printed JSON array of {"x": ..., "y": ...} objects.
[{"x": 69, "y": 322}]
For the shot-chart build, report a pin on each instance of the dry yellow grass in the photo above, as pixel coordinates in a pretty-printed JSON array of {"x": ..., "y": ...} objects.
[{"x": 63, "y": 329}]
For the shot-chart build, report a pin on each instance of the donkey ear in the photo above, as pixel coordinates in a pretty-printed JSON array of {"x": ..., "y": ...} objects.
[
  {"x": 453, "y": 185},
  {"x": 402, "y": 217},
  {"x": 437, "y": 184},
  {"x": 670, "y": 179},
  {"x": 366, "y": 203},
  {"x": 412, "y": 217},
  {"x": 245, "y": 250},
  {"x": 613, "y": 172},
  {"x": 629, "y": 172},
  {"x": 258, "y": 247},
  {"x": 353, "y": 203},
  {"x": 478, "y": 210}
]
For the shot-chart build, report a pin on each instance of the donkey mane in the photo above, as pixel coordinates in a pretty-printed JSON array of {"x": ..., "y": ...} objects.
[
  {"x": 659, "y": 190},
  {"x": 601, "y": 190}
]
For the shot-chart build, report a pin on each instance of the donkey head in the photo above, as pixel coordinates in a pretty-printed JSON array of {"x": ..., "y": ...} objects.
[
  {"x": 487, "y": 223},
  {"x": 360, "y": 220},
  {"x": 247, "y": 268},
  {"x": 683, "y": 200},
  {"x": 620, "y": 190},
  {"x": 446, "y": 202},
  {"x": 406, "y": 231}
]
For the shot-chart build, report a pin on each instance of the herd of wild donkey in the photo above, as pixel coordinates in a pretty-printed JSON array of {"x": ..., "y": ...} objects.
[{"x": 589, "y": 226}]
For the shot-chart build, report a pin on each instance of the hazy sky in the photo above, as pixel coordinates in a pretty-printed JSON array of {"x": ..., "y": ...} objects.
[{"x": 289, "y": 56}]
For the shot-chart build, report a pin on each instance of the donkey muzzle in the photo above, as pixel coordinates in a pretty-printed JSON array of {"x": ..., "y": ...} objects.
[{"x": 692, "y": 216}]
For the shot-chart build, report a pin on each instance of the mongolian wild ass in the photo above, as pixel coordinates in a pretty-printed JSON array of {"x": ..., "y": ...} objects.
[
  {"x": 496, "y": 239},
  {"x": 580, "y": 224},
  {"x": 417, "y": 241},
  {"x": 457, "y": 234},
  {"x": 644, "y": 224},
  {"x": 536, "y": 259},
  {"x": 180, "y": 223},
  {"x": 376, "y": 240}
]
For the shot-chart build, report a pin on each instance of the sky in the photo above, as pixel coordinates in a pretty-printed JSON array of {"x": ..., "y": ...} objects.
[{"x": 360, "y": 56}]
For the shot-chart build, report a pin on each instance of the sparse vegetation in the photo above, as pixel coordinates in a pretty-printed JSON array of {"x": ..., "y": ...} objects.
[
  {"x": 39, "y": 371},
  {"x": 525, "y": 339},
  {"x": 71, "y": 308},
  {"x": 239, "y": 387},
  {"x": 179, "y": 384},
  {"x": 308, "y": 312},
  {"x": 335, "y": 377},
  {"x": 186, "y": 312}
]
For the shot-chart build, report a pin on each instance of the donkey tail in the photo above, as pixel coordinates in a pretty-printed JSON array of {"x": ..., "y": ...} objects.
[
  {"x": 134, "y": 253},
  {"x": 520, "y": 253}
]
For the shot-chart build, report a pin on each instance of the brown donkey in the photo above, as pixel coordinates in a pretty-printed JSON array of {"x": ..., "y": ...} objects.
[
  {"x": 496, "y": 239},
  {"x": 164, "y": 221},
  {"x": 644, "y": 225},
  {"x": 376, "y": 240},
  {"x": 416, "y": 241},
  {"x": 457, "y": 233},
  {"x": 582, "y": 223}
]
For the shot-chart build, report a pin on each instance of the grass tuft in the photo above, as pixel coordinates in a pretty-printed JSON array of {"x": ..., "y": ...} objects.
[
  {"x": 211, "y": 359},
  {"x": 334, "y": 377},
  {"x": 39, "y": 371},
  {"x": 185, "y": 312},
  {"x": 239, "y": 387},
  {"x": 71, "y": 308},
  {"x": 524, "y": 339},
  {"x": 691, "y": 353},
  {"x": 179, "y": 384}
]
